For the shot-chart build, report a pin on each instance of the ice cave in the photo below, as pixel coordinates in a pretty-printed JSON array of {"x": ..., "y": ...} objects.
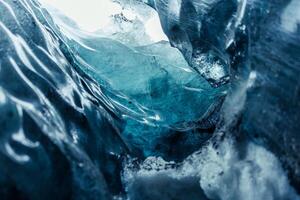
[{"x": 150, "y": 99}]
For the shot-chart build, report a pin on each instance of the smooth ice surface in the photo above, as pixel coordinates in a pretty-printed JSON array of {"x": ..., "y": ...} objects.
[
  {"x": 55, "y": 121},
  {"x": 158, "y": 85}
]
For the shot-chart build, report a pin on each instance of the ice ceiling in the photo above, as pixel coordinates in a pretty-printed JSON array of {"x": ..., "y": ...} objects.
[{"x": 92, "y": 15}]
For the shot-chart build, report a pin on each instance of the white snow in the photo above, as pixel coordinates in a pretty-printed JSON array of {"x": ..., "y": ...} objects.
[{"x": 223, "y": 173}]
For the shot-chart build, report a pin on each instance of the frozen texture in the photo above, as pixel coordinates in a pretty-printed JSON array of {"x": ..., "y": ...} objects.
[
  {"x": 159, "y": 89},
  {"x": 215, "y": 172},
  {"x": 63, "y": 134},
  {"x": 260, "y": 39},
  {"x": 202, "y": 30},
  {"x": 55, "y": 121},
  {"x": 102, "y": 115}
]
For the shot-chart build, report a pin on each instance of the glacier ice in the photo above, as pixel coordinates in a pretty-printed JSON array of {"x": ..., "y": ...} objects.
[
  {"x": 211, "y": 173},
  {"x": 204, "y": 107},
  {"x": 258, "y": 38},
  {"x": 153, "y": 83},
  {"x": 202, "y": 30},
  {"x": 52, "y": 115}
]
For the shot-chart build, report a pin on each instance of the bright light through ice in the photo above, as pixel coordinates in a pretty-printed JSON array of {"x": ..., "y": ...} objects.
[
  {"x": 92, "y": 15},
  {"x": 153, "y": 29},
  {"x": 290, "y": 18}
]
